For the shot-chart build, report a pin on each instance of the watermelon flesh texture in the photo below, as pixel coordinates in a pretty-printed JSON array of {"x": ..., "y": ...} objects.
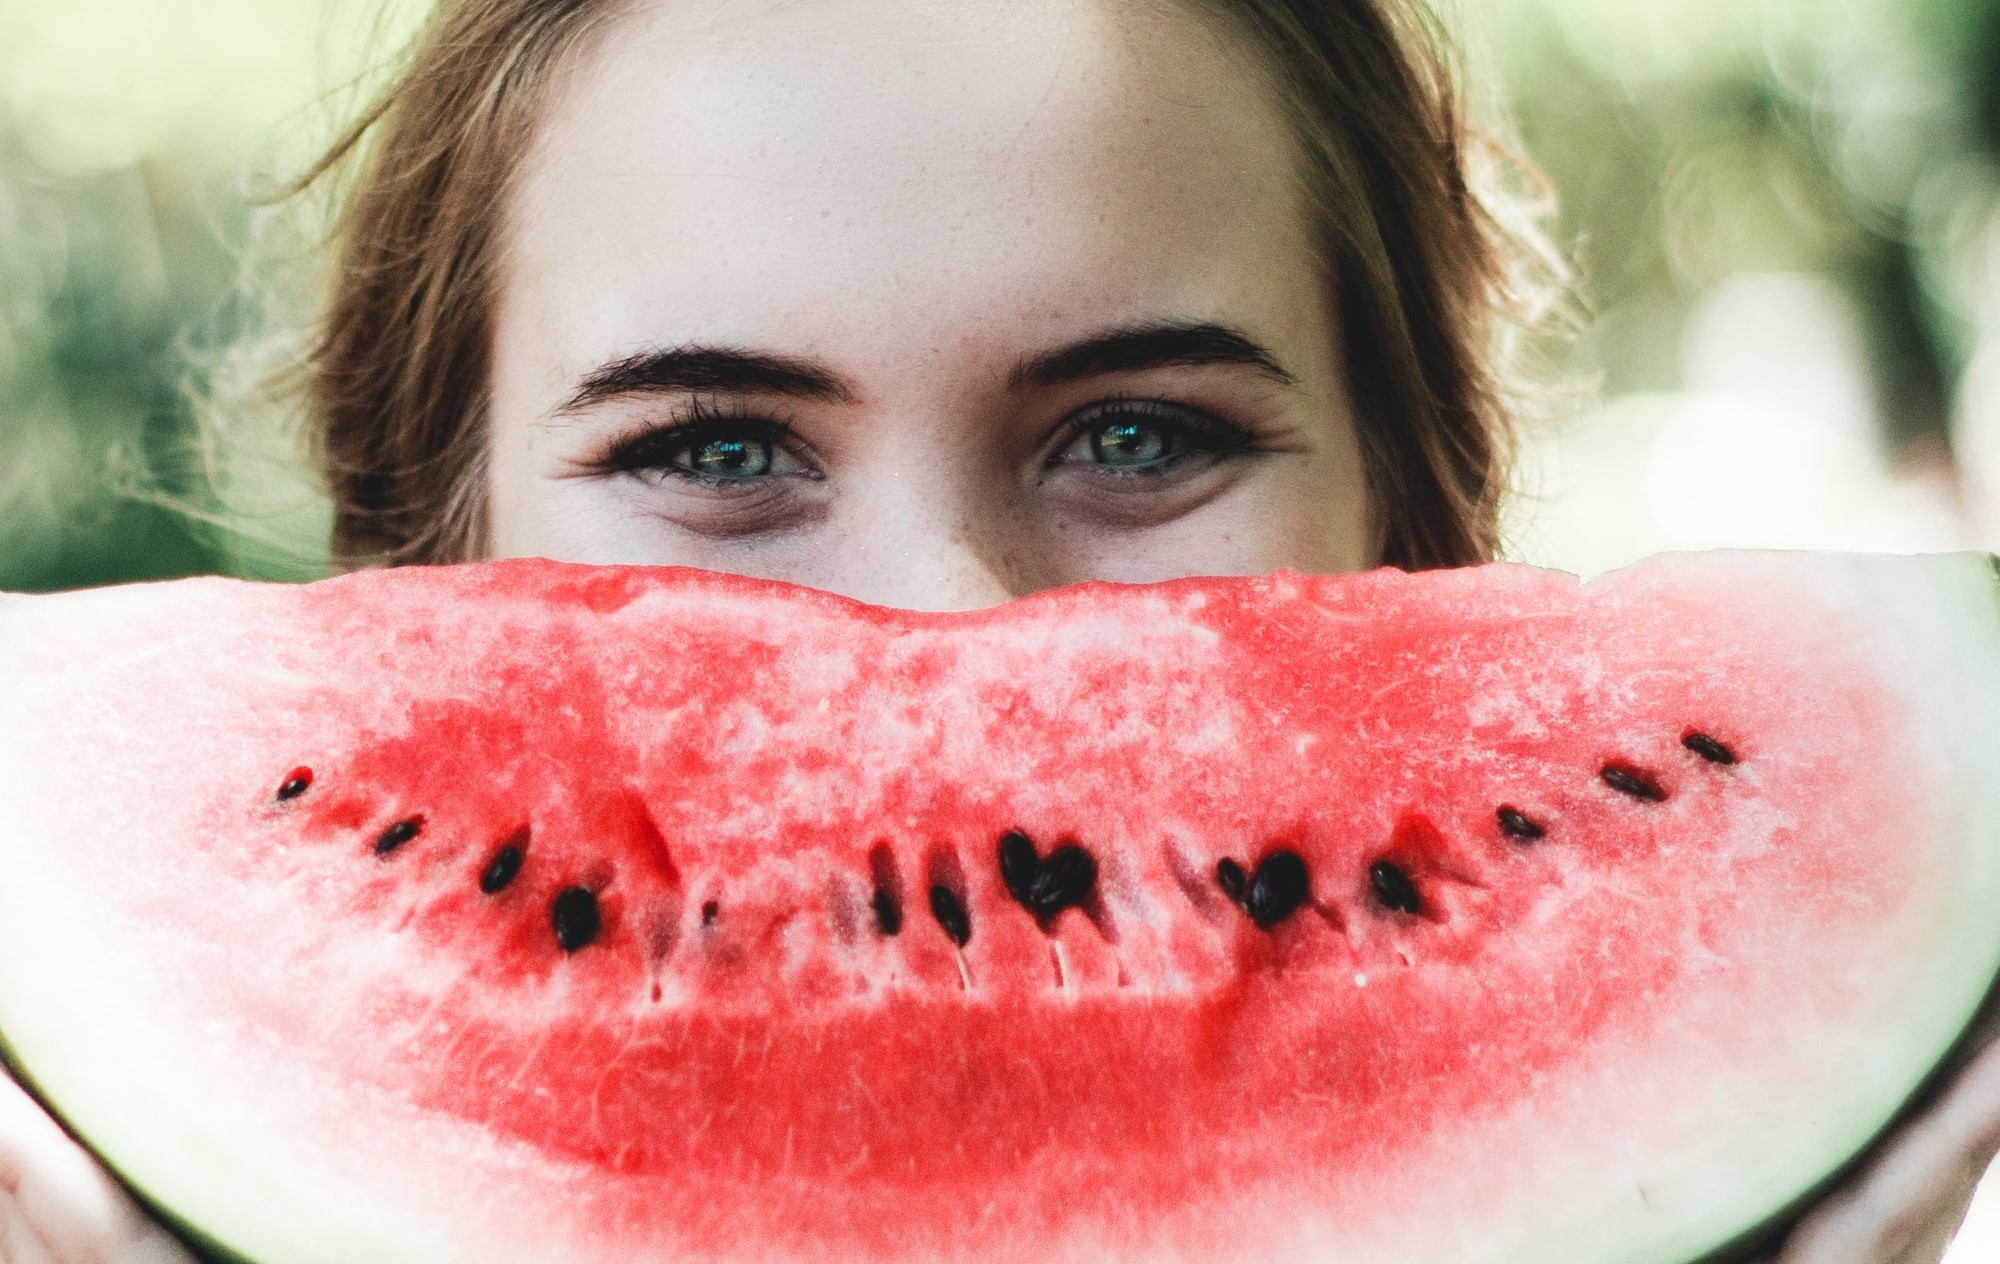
[{"x": 529, "y": 912}]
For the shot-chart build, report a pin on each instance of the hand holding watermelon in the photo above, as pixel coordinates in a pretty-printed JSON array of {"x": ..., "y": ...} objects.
[
  {"x": 58, "y": 1207},
  {"x": 1905, "y": 1205}
]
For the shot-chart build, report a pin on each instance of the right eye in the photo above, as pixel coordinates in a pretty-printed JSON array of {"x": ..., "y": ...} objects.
[
  {"x": 717, "y": 453},
  {"x": 733, "y": 457}
]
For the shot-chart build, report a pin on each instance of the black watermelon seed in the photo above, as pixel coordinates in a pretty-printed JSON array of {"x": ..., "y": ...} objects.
[
  {"x": 888, "y": 912},
  {"x": 1277, "y": 888},
  {"x": 1066, "y": 879},
  {"x": 1394, "y": 888},
  {"x": 1517, "y": 824},
  {"x": 1709, "y": 749},
  {"x": 1626, "y": 779},
  {"x": 501, "y": 870},
  {"x": 398, "y": 834},
  {"x": 1229, "y": 876},
  {"x": 951, "y": 915},
  {"x": 888, "y": 899},
  {"x": 1019, "y": 866},
  {"x": 573, "y": 914},
  {"x": 709, "y": 912},
  {"x": 295, "y": 785}
]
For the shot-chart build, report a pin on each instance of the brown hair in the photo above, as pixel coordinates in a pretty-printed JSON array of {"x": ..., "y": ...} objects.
[{"x": 1429, "y": 283}]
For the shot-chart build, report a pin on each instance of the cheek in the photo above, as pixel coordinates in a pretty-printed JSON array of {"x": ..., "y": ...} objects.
[
  {"x": 1316, "y": 521},
  {"x": 511, "y": 477},
  {"x": 508, "y": 488},
  {"x": 531, "y": 513},
  {"x": 1305, "y": 513},
  {"x": 1344, "y": 526},
  {"x": 1309, "y": 511}
]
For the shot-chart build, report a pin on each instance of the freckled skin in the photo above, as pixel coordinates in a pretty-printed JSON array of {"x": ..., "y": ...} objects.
[{"x": 917, "y": 196}]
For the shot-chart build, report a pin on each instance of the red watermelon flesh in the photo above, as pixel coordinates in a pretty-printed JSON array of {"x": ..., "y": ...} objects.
[{"x": 535, "y": 912}]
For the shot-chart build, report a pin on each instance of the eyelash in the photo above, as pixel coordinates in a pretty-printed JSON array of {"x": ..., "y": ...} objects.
[
  {"x": 1199, "y": 434},
  {"x": 652, "y": 451}
]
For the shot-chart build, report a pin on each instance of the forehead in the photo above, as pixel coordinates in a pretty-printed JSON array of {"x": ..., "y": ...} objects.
[{"x": 812, "y": 171}]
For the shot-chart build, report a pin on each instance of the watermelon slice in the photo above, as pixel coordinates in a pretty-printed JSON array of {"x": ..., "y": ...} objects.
[{"x": 530, "y": 912}]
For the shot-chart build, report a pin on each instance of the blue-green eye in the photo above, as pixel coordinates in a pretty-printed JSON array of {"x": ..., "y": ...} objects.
[
  {"x": 712, "y": 450},
  {"x": 1130, "y": 443},
  {"x": 1147, "y": 437},
  {"x": 727, "y": 458}
]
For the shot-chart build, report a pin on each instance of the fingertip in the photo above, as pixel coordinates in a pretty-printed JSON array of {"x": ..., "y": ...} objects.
[
  {"x": 72, "y": 1206},
  {"x": 19, "y": 1243}
]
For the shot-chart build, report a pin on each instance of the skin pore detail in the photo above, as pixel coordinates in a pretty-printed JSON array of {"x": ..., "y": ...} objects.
[{"x": 932, "y": 303}]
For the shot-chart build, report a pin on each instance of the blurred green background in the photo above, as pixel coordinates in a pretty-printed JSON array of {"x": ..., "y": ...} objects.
[
  {"x": 1785, "y": 218},
  {"x": 1784, "y": 214},
  {"x": 137, "y": 138}
]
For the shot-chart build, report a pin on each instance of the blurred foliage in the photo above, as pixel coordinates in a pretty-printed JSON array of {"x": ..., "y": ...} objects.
[
  {"x": 103, "y": 276},
  {"x": 1784, "y": 215},
  {"x": 1852, "y": 142},
  {"x": 134, "y": 137},
  {"x": 1690, "y": 143}
]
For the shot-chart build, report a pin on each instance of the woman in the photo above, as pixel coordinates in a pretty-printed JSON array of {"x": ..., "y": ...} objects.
[{"x": 933, "y": 303}]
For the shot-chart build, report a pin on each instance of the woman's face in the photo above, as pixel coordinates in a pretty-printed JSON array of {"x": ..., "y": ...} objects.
[{"x": 929, "y": 302}]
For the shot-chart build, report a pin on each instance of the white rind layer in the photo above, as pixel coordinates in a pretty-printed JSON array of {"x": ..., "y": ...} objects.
[
  {"x": 267, "y": 1181},
  {"x": 1942, "y": 613},
  {"x": 268, "y": 1186}
]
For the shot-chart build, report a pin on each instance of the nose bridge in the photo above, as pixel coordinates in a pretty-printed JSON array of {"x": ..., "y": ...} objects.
[{"x": 931, "y": 547}]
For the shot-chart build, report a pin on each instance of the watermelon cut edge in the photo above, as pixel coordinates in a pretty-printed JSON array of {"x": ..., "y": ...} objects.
[
  {"x": 1948, "y": 620},
  {"x": 1944, "y": 611},
  {"x": 59, "y": 1029}
]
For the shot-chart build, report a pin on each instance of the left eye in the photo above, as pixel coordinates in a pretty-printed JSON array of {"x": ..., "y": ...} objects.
[
  {"x": 728, "y": 458},
  {"x": 1136, "y": 439},
  {"x": 1129, "y": 443}
]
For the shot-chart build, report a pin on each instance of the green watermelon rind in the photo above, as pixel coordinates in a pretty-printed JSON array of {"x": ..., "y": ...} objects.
[
  {"x": 204, "y": 1249},
  {"x": 1762, "y": 1242},
  {"x": 100, "y": 1083},
  {"x": 1947, "y": 614},
  {"x": 1981, "y": 598}
]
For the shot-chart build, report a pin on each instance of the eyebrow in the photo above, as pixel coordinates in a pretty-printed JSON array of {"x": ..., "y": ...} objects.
[
  {"x": 1158, "y": 344},
  {"x": 732, "y": 370},
  {"x": 729, "y": 370}
]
